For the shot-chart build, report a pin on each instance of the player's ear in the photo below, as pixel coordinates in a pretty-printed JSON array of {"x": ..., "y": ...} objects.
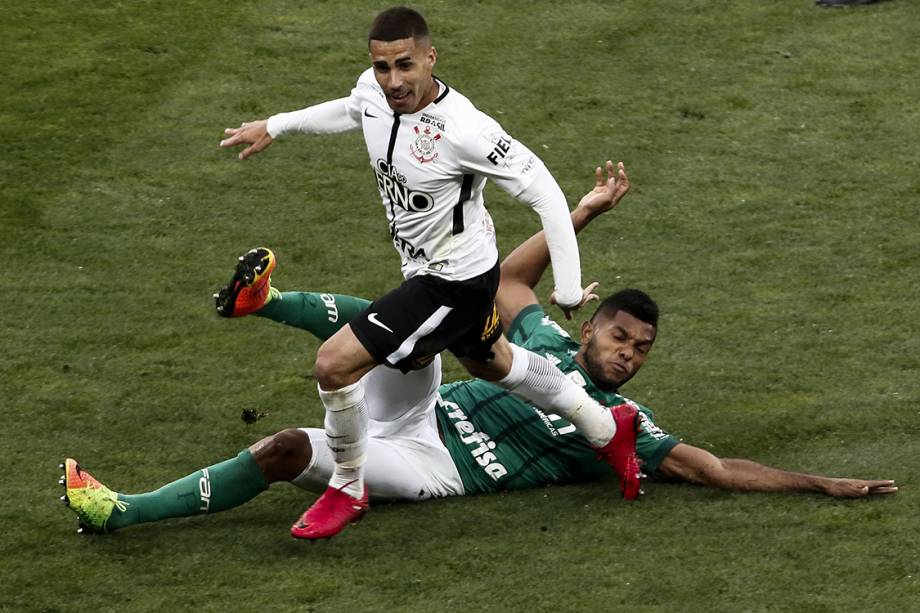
[
  {"x": 432, "y": 55},
  {"x": 587, "y": 331}
]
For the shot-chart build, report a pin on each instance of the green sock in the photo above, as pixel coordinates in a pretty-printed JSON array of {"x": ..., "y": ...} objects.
[
  {"x": 212, "y": 489},
  {"x": 320, "y": 314}
]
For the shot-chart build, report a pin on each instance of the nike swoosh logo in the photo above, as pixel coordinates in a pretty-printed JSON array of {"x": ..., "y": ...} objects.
[
  {"x": 372, "y": 317},
  {"x": 366, "y": 114}
]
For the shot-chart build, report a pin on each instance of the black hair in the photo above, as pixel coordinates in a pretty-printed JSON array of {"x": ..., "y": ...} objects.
[
  {"x": 397, "y": 23},
  {"x": 634, "y": 301}
]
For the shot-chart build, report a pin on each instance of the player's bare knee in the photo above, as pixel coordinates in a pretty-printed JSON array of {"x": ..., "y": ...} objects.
[
  {"x": 328, "y": 369},
  {"x": 284, "y": 455}
]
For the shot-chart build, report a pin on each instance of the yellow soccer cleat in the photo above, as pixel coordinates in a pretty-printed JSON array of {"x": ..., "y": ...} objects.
[
  {"x": 90, "y": 500},
  {"x": 249, "y": 288}
]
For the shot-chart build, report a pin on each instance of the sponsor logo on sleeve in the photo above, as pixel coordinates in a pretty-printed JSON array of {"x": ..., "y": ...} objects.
[
  {"x": 546, "y": 321},
  {"x": 650, "y": 428},
  {"x": 500, "y": 151}
]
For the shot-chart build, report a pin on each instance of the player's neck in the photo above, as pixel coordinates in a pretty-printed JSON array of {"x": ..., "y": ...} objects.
[{"x": 430, "y": 94}]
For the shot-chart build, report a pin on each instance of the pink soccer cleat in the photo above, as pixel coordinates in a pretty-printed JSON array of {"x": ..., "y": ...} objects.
[
  {"x": 620, "y": 452},
  {"x": 330, "y": 514}
]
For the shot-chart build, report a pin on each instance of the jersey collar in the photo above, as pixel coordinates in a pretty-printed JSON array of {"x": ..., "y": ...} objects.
[{"x": 443, "y": 92}]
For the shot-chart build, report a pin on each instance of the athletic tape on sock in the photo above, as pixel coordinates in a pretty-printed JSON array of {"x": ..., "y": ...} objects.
[{"x": 346, "y": 425}]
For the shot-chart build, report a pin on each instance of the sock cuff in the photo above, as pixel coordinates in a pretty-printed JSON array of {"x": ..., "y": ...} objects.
[
  {"x": 343, "y": 398},
  {"x": 520, "y": 359},
  {"x": 248, "y": 462}
]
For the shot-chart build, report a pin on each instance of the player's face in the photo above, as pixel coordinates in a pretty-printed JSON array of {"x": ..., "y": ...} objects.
[
  {"x": 614, "y": 348},
  {"x": 403, "y": 69}
]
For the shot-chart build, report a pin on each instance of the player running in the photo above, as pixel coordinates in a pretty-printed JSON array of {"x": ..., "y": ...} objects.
[
  {"x": 432, "y": 152},
  {"x": 468, "y": 437}
]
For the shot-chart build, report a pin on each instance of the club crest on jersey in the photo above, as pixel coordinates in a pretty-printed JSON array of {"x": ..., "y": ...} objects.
[{"x": 423, "y": 147}]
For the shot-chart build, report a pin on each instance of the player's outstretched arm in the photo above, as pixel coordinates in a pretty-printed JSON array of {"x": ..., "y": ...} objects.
[
  {"x": 523, "y": 268},
  {"x": 330, "y": 117},
  {"x": 253, "y": 133},
  {"x": 698, "y": 466}
]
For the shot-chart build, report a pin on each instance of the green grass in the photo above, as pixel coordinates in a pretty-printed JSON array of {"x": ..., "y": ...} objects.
[{"x": 773, "y": 149}]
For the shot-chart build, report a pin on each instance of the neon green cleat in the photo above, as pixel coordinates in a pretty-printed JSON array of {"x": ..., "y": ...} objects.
[{"x": 90, "y": 500}]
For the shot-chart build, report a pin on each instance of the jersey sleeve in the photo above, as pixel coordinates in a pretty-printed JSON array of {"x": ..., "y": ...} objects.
[
  {"x": 526, "y": 324},
  {"x": 334, "y": 116},
  {"x": 535, "y": 331},
  {"x": 652, "y": 443},
  {"x": 489, "y": 151}
]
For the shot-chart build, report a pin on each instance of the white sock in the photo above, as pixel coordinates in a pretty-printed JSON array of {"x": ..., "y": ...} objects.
[
  {"x": 535, "y": 379},
  {"x": 346, "y": 435}
]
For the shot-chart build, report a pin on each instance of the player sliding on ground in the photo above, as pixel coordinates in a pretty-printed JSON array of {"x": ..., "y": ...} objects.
[
  {"x": 432, "y": 152},
  {"x": 469, "y": 437}
]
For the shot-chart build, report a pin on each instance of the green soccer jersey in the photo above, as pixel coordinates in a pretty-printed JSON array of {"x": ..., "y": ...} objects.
[{"x": 501, "y": 442}]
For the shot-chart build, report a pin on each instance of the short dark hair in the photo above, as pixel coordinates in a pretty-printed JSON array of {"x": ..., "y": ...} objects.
[
  {"x": 634, "y": 301},
  {"x": 397, "y": 23}
]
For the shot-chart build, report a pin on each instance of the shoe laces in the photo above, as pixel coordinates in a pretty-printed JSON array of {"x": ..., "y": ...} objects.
[{"x": 121, "y": 505}]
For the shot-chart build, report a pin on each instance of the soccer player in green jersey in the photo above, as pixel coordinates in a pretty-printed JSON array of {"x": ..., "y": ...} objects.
[{"x": 430, "y": 440}]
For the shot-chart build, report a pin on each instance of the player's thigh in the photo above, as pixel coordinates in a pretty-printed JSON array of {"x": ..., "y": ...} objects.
[
  {"x": 391, "y": 395},
  {"x": 403, "y": 470}
]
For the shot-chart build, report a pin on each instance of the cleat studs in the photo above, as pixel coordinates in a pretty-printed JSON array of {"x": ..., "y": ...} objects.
[
  {"x": 62, "y": 481},
  {"x": 61, "y": 466},
  {"x": 64, "y": 499},
  {"x": 79, "y": 530}
]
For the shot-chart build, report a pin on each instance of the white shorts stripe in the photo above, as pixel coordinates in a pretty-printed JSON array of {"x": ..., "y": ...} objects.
[{"x": 428, "y": 326}]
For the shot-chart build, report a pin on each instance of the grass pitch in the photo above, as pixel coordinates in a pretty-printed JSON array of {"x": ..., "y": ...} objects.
[{"x": 773, "y": 149}]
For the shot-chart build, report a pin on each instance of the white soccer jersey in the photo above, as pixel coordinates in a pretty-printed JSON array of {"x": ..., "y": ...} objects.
[{"x": 431, "y": 168}]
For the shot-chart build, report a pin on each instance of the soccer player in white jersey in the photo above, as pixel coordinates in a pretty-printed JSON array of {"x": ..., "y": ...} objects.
[{"x": 431, "y": 152}]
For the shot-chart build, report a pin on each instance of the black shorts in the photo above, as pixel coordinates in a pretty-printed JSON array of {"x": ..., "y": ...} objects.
[{"x": 425, "y": 315}]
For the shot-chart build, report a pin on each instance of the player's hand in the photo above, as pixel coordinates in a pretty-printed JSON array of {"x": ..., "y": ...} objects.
[
  {"x": 254, "y": 133},
  {"x": 608, "y": 192},
  {"x": 587, "y": 295},
  {"x": 858, "y": 488}
]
